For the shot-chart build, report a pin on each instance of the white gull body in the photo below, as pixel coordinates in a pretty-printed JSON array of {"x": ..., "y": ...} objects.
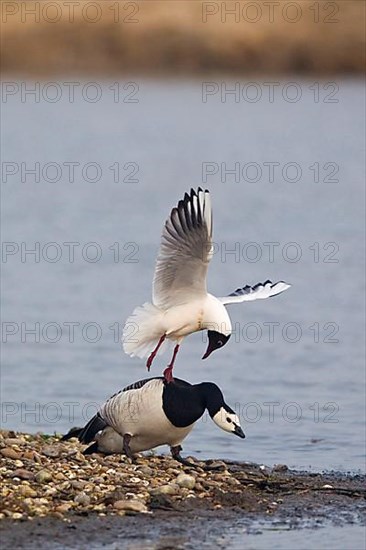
[{"x": 181, "y": 304}]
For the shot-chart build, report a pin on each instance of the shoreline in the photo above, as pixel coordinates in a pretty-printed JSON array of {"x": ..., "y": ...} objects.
[{"x": 50, "y": 489}]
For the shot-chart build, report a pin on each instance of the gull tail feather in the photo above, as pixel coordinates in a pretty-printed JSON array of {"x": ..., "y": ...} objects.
[{"x": 143, "y": 330}]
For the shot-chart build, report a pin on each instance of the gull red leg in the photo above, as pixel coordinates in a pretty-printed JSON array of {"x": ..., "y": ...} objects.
[
  {"x": 154, "y": 352},
  {"x": 168, "y": 373}
]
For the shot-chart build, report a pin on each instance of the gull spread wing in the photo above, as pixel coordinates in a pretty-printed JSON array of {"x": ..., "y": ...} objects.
[
  {"x": 256, "y": 292},
  {"x": 185, "y": 252}
]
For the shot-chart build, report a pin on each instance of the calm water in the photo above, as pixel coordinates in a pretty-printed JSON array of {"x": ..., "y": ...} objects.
[{"x": 294, "y": 369}]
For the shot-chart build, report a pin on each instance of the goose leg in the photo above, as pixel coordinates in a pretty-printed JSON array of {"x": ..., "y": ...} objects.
[
  {"x": 177, "y": 456},
  {"x": 154, "y": 352},
  {"x": 168, "y": 373},
  {"x": 126, "y": 446}
]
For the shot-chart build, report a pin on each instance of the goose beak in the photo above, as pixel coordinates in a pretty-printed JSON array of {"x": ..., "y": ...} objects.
[{"x": 239, "y": 432}]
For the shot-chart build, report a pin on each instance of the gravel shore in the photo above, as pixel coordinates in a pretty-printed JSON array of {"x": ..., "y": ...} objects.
[{"x": 42, "y": 477}]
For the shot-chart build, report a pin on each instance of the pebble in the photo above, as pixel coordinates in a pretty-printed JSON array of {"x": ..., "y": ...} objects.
[
  {"x": 130, "y": 506},
  {"x": 43, "y": 476},
  {"x": 168, "y": 489},
  {"x": 82, "y": 499},
  {"x": 77, "y": 484},
  {"x": 27, "y": 491},
  {"x": 8, "y": 452},
  {"x": 280, "y": 468},
  {"x": 51, "y": 451},
  {"x": 62, "y": 508},
  {"x": 216, "y": 465},
  {"x": 22, "y": 474},
  {"x": 186, "y": 481},
  {"x": 145, "y": 470},
  {"x": 14, "y": 441}
]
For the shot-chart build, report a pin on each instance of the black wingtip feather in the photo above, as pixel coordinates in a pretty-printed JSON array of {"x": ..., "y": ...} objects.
[
  {"x": 92, "y": 428},
  {"x": 93, "y": 448},
  {"x": 73, "y": 432}
]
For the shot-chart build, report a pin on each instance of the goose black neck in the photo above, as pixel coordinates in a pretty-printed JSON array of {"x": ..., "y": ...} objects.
[
  {"x": 212, "y": 396},
  {"x": 184, "y": 403}
]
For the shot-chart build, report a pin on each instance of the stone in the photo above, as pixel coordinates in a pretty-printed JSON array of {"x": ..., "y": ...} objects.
[
  {"x": 146, "y": 470},
  {"x": 43, "y": 476},
  {"x": 280, "y": 468},
  {"x": 22, "y": 474},
  {"x": 8, "y": 452},
  {"x": 82, "y": 499},
  {"x": 51, "y": 451},
  {"x": 130, "y": 506},
  {"x": 168, "y": 489},
  {"x": 14, "y": 441},
  {"x": 27, "y": 492},
  {"x": 216, "y": 465},
  {"x": 185, "y": 480},
  {"x": 62, "y": 508}
]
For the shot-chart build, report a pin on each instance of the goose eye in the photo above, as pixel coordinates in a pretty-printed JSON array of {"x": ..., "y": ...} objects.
[
  {"x": 219, "y": 343},
  {"x": 228, "y": 420}
]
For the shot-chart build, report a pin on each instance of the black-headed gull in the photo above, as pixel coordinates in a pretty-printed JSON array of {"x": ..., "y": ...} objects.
[
  {"x": 152, "y": 412},
  {"x": 181, "y": 304}
]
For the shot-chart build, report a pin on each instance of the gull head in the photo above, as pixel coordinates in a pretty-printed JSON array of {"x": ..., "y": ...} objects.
[{"x": 216, "y": 340}]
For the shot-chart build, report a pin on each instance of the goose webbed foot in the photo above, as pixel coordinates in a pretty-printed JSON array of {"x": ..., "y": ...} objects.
[{"x": 176, "y": 450}]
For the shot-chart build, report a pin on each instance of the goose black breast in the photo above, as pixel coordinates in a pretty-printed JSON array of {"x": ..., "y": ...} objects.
[{"x": 182, "y": 403}]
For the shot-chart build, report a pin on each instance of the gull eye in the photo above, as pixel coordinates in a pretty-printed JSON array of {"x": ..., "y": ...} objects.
[
  {"x": 228, "y": 419},
  {"x": 219, "y": 343}
]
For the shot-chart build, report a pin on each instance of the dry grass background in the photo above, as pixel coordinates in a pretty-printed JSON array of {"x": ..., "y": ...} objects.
[{"x": 171, "y": 37}]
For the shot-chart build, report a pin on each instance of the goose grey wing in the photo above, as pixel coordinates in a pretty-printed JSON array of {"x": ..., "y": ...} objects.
[
  {"x": 185, "y": 251},
  {"x": 260, "y": 291}
]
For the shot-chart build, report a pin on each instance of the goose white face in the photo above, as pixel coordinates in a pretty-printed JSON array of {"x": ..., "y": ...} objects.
[{"x": 229, "y": 422}]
